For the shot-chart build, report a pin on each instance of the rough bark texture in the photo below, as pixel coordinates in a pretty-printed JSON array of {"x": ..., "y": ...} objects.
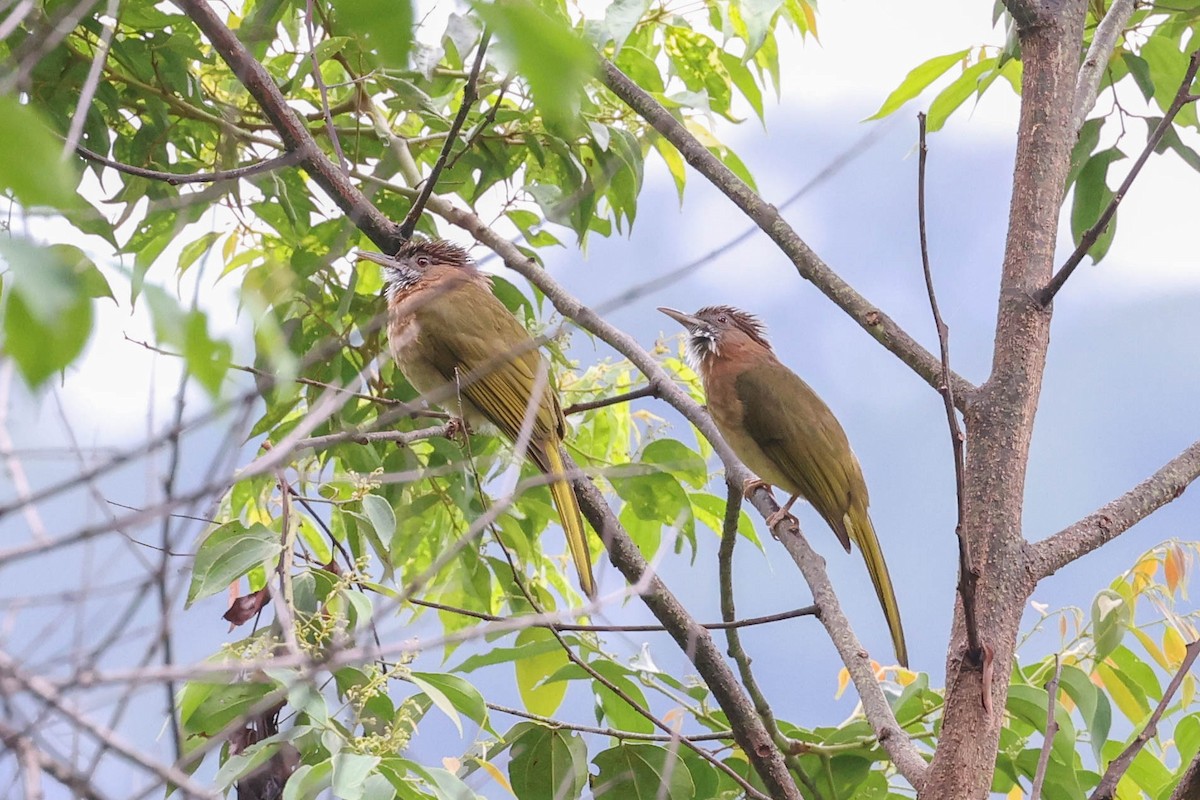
[{"x": 999, "y": 417}]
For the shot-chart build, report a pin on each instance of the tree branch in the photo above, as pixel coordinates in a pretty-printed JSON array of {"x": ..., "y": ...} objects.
[
  {"x": 1039, "y": 775},
  {"x": 1099, "y": 52},
  {"x": 291, "y": 127},
  {"x": 1108, "y": 784},
  {"x": 767, "y": 217},
  {"x": 695, "y": 641},
  {"x": 968, "y": 575},
  {"x": 1182, "y": 98},
  {"x": 78, "y": 783},
  {"x": 470, "y": 93},
  {"x": 891, "y": 736},
  {"x": 45, "y": 692},
  {"x": 1188, "y": 787},
  {"x": 806, "y": 611},
  {"x": 1111, "y": 520},
  {"x": 175, "y": 178},
  {"x": 604, "y": 402}
]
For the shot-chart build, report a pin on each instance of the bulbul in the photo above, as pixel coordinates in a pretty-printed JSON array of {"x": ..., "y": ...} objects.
[
  {"x": 453, "y": 339},
  {"x": 782, "y": 430}
]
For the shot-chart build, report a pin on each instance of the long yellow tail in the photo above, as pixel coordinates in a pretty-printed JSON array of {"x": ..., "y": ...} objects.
[
  {"x": 572, "y": 520},
  {"x": 859, "y": 526}
]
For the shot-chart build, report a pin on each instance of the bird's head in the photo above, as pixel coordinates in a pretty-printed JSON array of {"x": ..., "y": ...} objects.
[
  {"x": 417, "y": 259},
  {"x": 716, "y": 328}
]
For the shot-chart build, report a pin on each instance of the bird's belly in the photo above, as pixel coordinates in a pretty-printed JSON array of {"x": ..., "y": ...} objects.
[
  {"x": 734, "y": 432},
  {"x": 403, "y": 341}
]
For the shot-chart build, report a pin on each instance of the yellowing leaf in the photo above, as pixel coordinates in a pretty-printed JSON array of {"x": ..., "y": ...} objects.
[
  {"x": 1173, "y": 567},
  {"x": 1188, "y": 691},
  {"x": 843, "y": 682},
  {"x": 1015, "y": 793},
  {"x": 538, "y": 697},
  {"x": 1174, "y": 647},
  {"x": 1119, "y": 693},
  {"x": 1152, "y": 648},
  {"x": 905, "y": 676},
  {"x": 496, "y": 774}
]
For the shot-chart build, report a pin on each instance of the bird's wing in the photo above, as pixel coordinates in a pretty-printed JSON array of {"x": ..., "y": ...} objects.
[
  {"x": 473, "y": 340},
  {"x": 799, "y": 433}
]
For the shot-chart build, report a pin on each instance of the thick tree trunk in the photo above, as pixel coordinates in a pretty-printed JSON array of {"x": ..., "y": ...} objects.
[{"x": 999, "y": 418}]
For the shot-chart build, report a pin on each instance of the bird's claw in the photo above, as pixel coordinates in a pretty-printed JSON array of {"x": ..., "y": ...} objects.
[
  {"x": 779, "y": 516},
  {"x": 458, "y": 428},
  {"x": 752, "y": 485}
]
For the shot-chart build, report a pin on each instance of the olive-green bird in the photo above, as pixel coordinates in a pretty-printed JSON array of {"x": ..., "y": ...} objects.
[
  {"x": 451, "y": 336},
  {"x": 781, "y": 430}
]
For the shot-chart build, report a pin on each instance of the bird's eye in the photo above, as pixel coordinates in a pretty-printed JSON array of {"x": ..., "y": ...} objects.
[
  {"x": 722, "y": 319},
  {"x": 422, "y": 261}
]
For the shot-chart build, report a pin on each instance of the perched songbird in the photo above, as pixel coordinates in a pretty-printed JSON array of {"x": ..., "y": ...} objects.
[
  {"x": 783, "y": 432},
  {"x": 454, "y": 340}
]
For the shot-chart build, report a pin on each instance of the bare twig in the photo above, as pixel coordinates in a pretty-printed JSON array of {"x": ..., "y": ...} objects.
[
  {"x": 1108, "y": 784},
  {"x": 718, "y": 736},
  {"x": 79, "y": 784},
  {"x": 371, "y": 437},
  {"x": 49, "y": 695},
  {"x": 1111, "y": 520},
  {"x": 88, "y": 91},
  {"x": 625, "y": 397},
  {"x": 175, "y": 179},
  {"x": 968, "y": 575},
  {"x": 470, "y": 93},
  {"x": 806, "y": 611},
  {"x": 1183, "y": 97},
  {"x": 1091, "y": 72},
  {"x": 326, "y": 113},
  {"x": 1039, "y": 775}
]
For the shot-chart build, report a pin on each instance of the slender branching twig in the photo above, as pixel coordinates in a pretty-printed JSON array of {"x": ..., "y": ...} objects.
[
  {"x": 1183, "y": 97},
  {"x": 1039, "y": 775},
  {"x": 470, "y": 93},
  {"x": 968, "y": 575},
  {"x": 1107, "y": 787}
]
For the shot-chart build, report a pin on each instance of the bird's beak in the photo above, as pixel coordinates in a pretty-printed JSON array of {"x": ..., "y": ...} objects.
[
  {"x": 378, "y": 258},
  {"x": 686, "y": 320}
]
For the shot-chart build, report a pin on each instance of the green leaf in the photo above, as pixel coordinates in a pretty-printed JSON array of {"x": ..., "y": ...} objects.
[
  {"x": 41, "y": 349},
  {"x": 758, "y": 16},
  {"x": 1092, "y": 196},
  {"x": 953, "y": 95},
  {"x": 49, "y": 317},
  {"x": 349, "y": 771},
  {"x": 548, "y": 53},
  {"x": 205, "y": 709},
  {"x": 384, "y": 25},
  {"x": 1092, "y": 703},
  {"x": 642, "y": 772},
  {"x": 34, "y": 169},
  {"x": 460, "y": 695},
  {"x": 308, "y": 781},
  {"x": 678, "y": 459},
  {"x": 538, "y": 696},
  {"x": 916, "y": 80},
  {"x": 547, "y": 763},
  {"x": 228, "y": 553},
  {"x": 381, "y": 516},
  {"x": 620, "y": 18},
  {"x": 1110, "y": 619}
]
